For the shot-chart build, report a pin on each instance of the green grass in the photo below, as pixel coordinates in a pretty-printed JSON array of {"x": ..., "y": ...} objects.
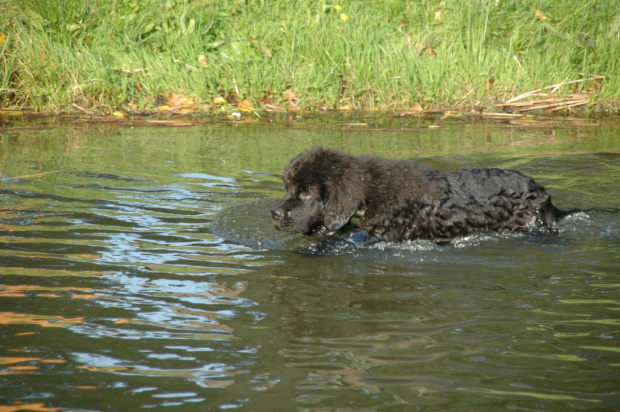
[{"x": 104, "y": 55}]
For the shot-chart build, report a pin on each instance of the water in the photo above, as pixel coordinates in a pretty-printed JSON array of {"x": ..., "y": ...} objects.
[{"x": 139, "y": 270}]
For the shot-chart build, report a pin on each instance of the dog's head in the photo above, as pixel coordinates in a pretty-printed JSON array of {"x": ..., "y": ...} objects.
[{"x": 323, "y": 190}]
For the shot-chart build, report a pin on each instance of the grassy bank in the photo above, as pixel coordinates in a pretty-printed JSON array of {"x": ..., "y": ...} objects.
[{"x": 133, "y": 55}]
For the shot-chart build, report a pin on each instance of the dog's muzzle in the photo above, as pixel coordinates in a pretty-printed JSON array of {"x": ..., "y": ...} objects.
[{"x": 277, "y": 216}]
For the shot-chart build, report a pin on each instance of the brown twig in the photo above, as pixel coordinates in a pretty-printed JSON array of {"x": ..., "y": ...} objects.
[{"x": 554, "y": 87}]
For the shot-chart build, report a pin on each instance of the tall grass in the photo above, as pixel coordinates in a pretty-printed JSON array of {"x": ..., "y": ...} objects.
[{"x": 105, "y": 54}]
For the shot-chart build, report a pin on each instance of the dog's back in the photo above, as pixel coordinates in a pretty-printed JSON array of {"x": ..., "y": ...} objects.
[{"x": 500, "y": 199}]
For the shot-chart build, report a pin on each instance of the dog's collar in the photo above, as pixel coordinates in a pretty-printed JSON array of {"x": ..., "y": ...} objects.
[{"x": 358, "y": 215}]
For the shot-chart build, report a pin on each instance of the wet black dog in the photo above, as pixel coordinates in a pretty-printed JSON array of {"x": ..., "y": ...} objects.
[{"x": 394, "y": 200}]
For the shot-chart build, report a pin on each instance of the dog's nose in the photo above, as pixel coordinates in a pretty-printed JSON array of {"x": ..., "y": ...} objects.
[{"x": 277, "y": 213}]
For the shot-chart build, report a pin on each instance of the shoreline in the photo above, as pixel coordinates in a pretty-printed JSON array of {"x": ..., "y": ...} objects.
[{"x": 209, "y": 57}]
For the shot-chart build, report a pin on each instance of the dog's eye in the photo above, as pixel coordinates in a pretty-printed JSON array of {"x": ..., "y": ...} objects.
[{"x": 305, "y": 196}]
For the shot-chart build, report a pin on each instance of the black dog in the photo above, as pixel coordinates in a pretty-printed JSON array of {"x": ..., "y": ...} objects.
[{"x": 396, "y": 200}]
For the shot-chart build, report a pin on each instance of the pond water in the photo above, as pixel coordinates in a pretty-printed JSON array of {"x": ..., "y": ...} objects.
[{"x": 139, "y": 270}]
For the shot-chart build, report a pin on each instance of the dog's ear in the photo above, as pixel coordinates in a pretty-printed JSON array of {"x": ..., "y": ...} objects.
[{"x": 340, "y": 204}]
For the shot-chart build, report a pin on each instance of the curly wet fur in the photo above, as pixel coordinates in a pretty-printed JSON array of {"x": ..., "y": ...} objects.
[{"x": 400, "y": 201}]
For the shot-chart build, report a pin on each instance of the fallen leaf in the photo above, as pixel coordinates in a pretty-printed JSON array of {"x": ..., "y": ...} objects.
[
  {"x": 345, "y": 108},
  {"x": 118, "y": 114},
  {"x": 265, "y": 100},
  {"x": 540, "y": 16},
  {"x": 2, "y": 38},
  {"x": 289, "y": 95},
  {"x": 177, "y": 99},
  {"x": 245, "y": 106},
  {"x": 181, "y": 104},
  {"x": 219, "y": 100},
  {"x": 202, "y": 59},
  {"x": 438, "y": 15}
]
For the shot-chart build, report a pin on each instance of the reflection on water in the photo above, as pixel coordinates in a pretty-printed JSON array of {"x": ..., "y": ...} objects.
[{"x": 139, "y": 269}]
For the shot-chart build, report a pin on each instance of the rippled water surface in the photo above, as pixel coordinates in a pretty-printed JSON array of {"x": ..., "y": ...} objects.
[{"x": 139, "y": 270}]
